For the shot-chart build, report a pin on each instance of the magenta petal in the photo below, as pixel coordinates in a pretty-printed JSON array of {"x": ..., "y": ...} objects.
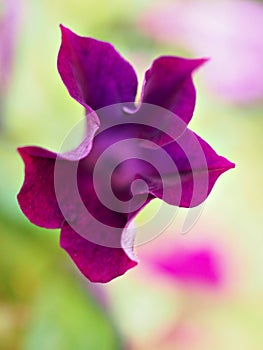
[
  {"x": 94, "y": 72},
  {"x": 168, "y": 84},
  {"x": 196, "y": 168},
  {"x": 97, "y": 263},
  {"x": 37, "y": 197}
]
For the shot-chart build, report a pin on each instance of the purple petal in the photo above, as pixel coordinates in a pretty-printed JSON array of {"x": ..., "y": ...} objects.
[
  {"x": 37, "y": 197},
  {"x": 94, "y": 212},
  {"x": 85, "y": 147},
  {"x": 94, "y": 72},
  {"x": 97, "y": 263},
  {"x": 189, "y": 179},
  {"x": 168, "y": 84}
]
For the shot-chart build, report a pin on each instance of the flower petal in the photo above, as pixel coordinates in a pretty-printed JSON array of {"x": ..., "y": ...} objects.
[
  {"x": 168, "y": 84},
  {"x": 94, "y": 72},
  {"x": 37, "y": 197},
  {"x": 188, "y": 182},
  {"x": 97, "y": 263}
]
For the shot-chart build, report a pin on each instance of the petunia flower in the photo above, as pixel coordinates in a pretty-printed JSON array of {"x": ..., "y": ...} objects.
[
  {"x": 140, "y": 151},
  {"x": 226, "y": 30}
]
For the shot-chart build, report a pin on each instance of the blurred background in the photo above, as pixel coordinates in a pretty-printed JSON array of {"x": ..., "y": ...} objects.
[{"x": 196, "y": 291}]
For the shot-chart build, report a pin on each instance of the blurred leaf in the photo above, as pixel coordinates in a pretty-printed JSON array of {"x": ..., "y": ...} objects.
[
  {"x": 43, "y": 306},
  {"x": 66, "y": 318}
]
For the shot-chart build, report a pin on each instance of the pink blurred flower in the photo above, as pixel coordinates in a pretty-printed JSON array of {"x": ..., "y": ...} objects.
[
  {"x": 228, "y": 31},
  {"x": 8, "y": 30},
  {"x": 198, "y": 263}
]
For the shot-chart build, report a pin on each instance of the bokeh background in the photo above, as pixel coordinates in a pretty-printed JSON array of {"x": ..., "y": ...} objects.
[{"x": 196, "y": 291}]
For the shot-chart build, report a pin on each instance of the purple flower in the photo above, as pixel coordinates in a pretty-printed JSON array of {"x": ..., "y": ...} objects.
[{"x": 124, "y": 148}]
